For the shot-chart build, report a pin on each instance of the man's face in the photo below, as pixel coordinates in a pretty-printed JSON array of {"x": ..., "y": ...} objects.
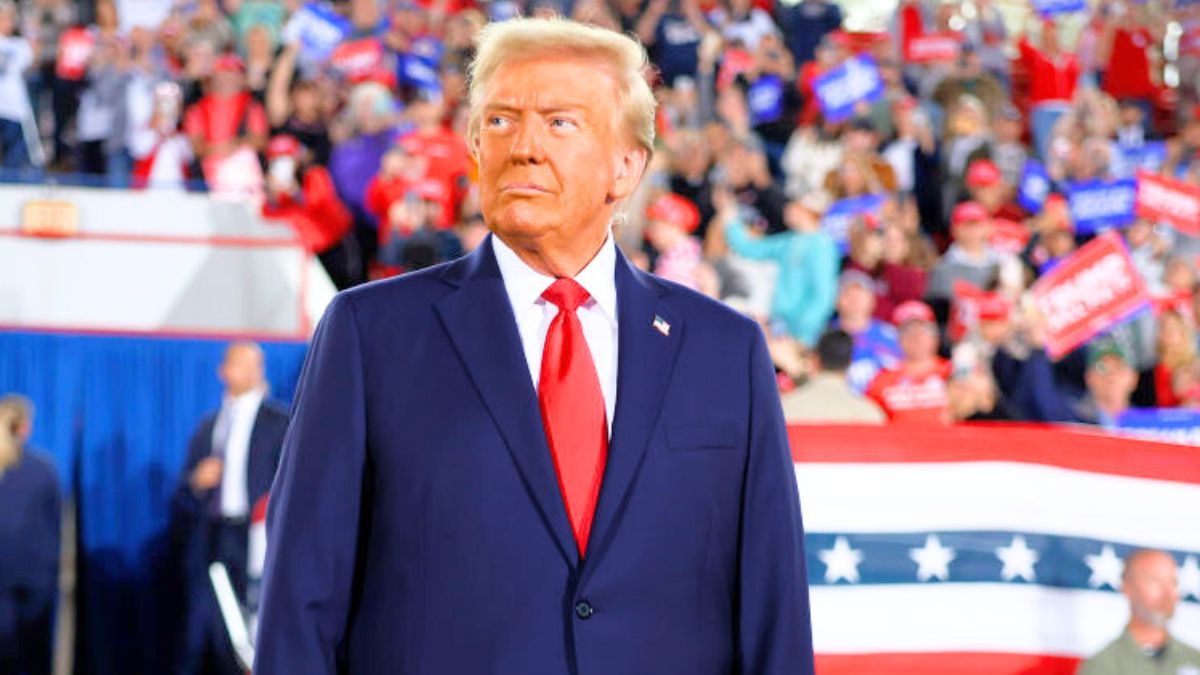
[
  {"x": 1152, "y": 585},
  {"x": 973, "y": 234},
  {"x": 918, "y": 340},
  {"x": 1111, "y": 381},
  {"x": 553, "y": 157},
  {"x": 226, "y": 82},
  {"x": 855, "y": 301},
  {"x": 242, "y": 370}
]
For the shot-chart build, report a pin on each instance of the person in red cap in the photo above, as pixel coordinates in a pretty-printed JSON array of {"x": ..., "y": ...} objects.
[
  {"x": 670, "y": 222},
  {"x": 227, "y": 117},
  {"x": 302, "y": 194},
  {"x": 987, "y": 187},
  {"x": 915, "y": 390},
  {"x": 1054, "y": 238},
  {"x": 970, "y": 258},
  {"x": 412, "y": 236}
]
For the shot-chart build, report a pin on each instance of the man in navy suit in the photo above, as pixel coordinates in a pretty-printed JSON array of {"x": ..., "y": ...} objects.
[
  {"x": 230, "y": 465},
  {"x": 538, "y": 459}
]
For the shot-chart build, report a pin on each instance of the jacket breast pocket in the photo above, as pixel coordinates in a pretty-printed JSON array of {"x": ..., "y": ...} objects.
[{"x": 702, "y": 436}]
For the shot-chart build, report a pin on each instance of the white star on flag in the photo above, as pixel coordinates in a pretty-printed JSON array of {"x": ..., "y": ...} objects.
[
  {"x": 841, "y": 561},
  {"x": 1106, "y": 568},
  {"x": 1018, "y": 560},
  {"x": 933, "y": 560},
  {"x": 1189, "y": 578}
]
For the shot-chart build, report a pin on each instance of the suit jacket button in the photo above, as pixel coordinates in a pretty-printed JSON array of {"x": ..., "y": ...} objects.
[{"x": 584, "y": 609}]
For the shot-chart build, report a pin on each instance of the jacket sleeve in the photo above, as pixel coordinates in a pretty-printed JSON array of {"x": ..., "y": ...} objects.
[
  {"x": 823, "y": 273},
  {"x": 774, "y": 630},
  {"x": 185, "y": 504},
  {"x": 763, "y": 248},
  {"x": 313, "y": 513}
]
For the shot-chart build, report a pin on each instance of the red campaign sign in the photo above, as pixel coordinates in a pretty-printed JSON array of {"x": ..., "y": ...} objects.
[
  {"x": 1170, "y": 200},
  {"x": 1088, "y": 293},
  {"x": 358, "y": 59},
  {"x": 75, "y": 48},
  {"x": 1009, "y": 236},
  {"x": 934, "y": 47},
  {"x": 1189, "y": 43},
  {"x": 965, "y": 316}
]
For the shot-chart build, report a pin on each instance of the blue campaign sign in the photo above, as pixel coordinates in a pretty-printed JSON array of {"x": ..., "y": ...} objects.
[
  {"x": 1149, "y": 156},
  {"x": 1053, "y": 7},
  {"x": 1172, "y": 425},
  {"x": 1034, "y": 188},
  {"x": 1098, "y": 205},
  {"x": 844, "y": 87},
  {"x": 841, "y": 216},
  {"x": 765, "y": 99},
  {"x": 318, "y": 29}
]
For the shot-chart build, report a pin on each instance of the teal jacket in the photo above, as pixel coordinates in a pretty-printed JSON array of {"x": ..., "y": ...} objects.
[{"x": 807, "y": 283}]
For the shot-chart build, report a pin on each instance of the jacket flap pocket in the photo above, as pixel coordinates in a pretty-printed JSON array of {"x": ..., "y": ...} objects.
[{"x": 721, "y": 435}]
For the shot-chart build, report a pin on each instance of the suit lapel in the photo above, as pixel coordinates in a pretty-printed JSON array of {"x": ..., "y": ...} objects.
[
  {"x": 479, "y": 320},
  {"x": 646, "y": 358}
]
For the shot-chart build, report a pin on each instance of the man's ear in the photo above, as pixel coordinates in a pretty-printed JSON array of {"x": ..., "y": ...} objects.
[{"x": 631, "y": 164}]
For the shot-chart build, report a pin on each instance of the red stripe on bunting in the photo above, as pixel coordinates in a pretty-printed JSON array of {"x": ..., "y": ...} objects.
[
  {"x": 1067, "y": 447},
  {"x": 945, "y": 664}
]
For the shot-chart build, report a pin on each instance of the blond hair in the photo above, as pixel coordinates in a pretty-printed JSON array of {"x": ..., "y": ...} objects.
[{"x": 521, "y": 38}]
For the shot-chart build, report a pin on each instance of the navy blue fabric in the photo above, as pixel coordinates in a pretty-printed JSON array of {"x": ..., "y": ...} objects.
[
  {"x": 416, "y": 524},
  {"x": 115, "y": 415}
]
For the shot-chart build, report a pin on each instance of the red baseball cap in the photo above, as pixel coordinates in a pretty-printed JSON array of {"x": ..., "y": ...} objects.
[
  {"x": 983, "y": 173},
  {"x": 283, "y": 145},
  {"x": 912, "y": 310},
  {"x": 969, "y": 212},
  {"x": 229, "y": 63},
  {"x": 675, "y": 210}
]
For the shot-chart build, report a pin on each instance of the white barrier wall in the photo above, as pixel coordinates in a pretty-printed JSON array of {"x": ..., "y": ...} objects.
[{"x": 156, "y": 262}]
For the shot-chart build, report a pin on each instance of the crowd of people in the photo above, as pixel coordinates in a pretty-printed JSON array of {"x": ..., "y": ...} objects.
[{"x": 348, "y": 122}]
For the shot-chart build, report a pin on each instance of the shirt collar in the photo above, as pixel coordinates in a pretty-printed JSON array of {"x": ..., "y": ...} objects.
[
  {"x": 250, "y": 399},
  {"x": 525, "y": 285}
]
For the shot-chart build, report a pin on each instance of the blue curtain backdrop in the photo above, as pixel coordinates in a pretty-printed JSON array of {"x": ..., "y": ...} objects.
[{"x": 115, "y": 414}]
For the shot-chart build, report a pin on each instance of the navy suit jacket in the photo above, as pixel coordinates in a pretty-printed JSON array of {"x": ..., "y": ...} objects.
[
  {"x": 190, "y": 511},
  {"x": 416, "y": 524}
]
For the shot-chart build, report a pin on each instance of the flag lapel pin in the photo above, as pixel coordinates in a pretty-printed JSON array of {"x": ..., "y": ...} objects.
[{"x": 660, "y": 324}]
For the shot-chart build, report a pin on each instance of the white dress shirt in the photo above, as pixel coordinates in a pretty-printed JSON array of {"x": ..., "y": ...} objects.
[
  {"x": 235, "y": 424},
  {"x": 597, "y": 316}
]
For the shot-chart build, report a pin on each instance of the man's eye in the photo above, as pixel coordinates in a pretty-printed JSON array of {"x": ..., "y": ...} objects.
[
  {"x": 496, "y": 122},
  {"x": 562, "y": 123}
]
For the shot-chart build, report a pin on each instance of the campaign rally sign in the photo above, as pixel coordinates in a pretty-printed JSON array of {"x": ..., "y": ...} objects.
[
  {"x": 1034, "y": 187},
  {"x": 358, "y": 60},
  {"x": 75, "y": 47},
  {"x": 1009, "y": 236},
  {"x": 841, "y": 216},
  {"x": 318, "y": 29},
  {"x": 1099, "y": 205},
  {"x": 1165, "y": 199},
  {"x": 1169, "y": 425},
  {"x": 1093, "y": 290},
  {"x": 933, "y": 47},
  {"x": 1189, "y": 42},
  {"x": 765, "y": 100},
  {"x": 838, "y": 91},
  {"x": 1149, "y": 156},
  {"x": 999, "y": 544},
  {"x": 1049, "y": 8}
]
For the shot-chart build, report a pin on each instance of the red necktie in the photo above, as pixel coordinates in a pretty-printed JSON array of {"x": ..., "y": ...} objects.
[{"x": 573, "y": 412}]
